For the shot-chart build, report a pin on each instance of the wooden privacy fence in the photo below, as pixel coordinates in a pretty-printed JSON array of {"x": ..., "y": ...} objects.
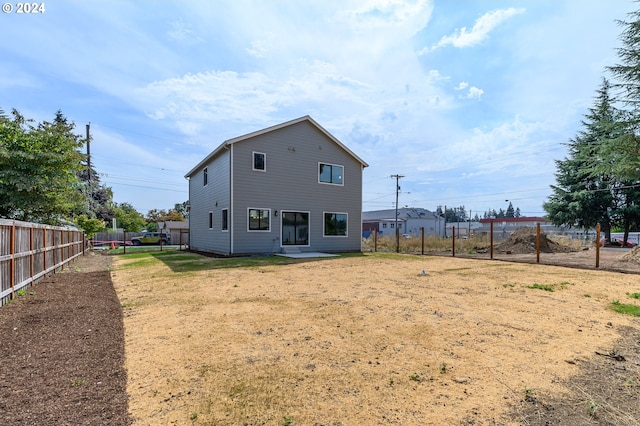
[{"x": 30, "y": 251}]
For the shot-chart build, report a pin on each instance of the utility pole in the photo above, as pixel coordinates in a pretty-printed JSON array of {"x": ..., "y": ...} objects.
[
  {"x": 89, "y": 152},
  {"x": 397, "y": 191}
]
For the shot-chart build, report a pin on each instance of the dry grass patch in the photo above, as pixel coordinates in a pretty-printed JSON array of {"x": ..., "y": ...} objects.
[{"x": 357, "y": 340}]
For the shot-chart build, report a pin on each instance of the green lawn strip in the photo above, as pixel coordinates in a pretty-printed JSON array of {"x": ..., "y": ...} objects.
[
  {"x": 624, "y": 308},
  {"x": 190, "y": 262}
]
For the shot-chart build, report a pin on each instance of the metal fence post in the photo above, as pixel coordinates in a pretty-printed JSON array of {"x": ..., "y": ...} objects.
[{"x": 453, "y": 241}]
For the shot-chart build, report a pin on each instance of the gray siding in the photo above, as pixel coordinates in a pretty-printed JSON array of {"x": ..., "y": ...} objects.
[
  {"x": 214, "y": 197},
  {"x": 290, "y": 183}
]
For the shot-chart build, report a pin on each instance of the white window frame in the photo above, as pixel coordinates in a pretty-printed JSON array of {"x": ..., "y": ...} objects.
[
  {"x": 210, "y": 220},
  {"x": 253, "y": 161},
  {"x": 249, "y": 219},
  {"x": 324, "y": 231},
  {"x": 205, "y": 176},
  {"x": 320, "y": 163}
]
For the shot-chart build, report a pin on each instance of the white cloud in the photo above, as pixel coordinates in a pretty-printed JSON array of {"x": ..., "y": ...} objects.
[
  {"x": 462, "y": 38},
  {"x": 260, "y": 47},
  {"x": 210, "y": 97},
  {"x": 474, "y": 93},
  {"x": 180, "y": 31},
  {"x": 408, "y": 17}
]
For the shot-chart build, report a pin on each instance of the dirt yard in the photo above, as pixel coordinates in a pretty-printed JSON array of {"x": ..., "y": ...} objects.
[
  {"x": 337, "y": 341},
  {"x": 370, "y": 340}
]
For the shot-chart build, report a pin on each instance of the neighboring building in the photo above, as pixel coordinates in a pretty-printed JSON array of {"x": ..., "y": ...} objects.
[
  {"x": 504, "y": 227},
  {"x": 292, "y": 187},
  {"x": 410, "y": 221},
  {"x": 179, "y": 230},
  {"x": 511, "y": 223}
]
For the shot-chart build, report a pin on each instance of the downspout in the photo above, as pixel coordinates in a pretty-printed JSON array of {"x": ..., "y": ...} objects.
[
  {"x": 188, "y": 213},
  {"x": 229, "y": 148}
]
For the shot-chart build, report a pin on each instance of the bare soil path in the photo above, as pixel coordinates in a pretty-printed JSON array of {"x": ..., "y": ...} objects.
[{"x": 62, "y": 351}]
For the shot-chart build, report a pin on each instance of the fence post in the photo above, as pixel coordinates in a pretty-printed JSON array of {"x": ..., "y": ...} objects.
[
  {"x": 375, "y": 240},
  {"x": 124, "y": 243},
  {"x": 422, "y": 236},
  {"x": 65, "y": 247},
  {"x": 491, "y": 239},
  {"x": 598, "y": 245},
  {"x": 453, "y": 241},
  {"x": 538, "y": 242},
  {"x": 12, "y": 262},
  {"x": 31, "y": 256},
  {"x": 44, "y": 249}
]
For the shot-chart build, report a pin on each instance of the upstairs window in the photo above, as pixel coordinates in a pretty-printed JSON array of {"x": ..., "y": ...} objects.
[
  {"x": 330, "y": 173},
  {"x": 205, "y": 176},
  {"x": 259, "y": 161}
]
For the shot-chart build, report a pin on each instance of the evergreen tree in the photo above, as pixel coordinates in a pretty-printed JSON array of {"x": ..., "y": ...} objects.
[
  {"x": 584, "y": 193},
  {"x": 99, "y": 198},
  {"x": 510, "y": 211},
  {"x": 622, "y": 154}
]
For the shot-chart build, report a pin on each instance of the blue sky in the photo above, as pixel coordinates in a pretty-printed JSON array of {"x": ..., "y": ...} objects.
[{"x": 470, "y": 100}]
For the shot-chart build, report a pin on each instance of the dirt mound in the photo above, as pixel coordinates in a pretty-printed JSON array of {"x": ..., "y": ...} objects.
[
  {"x": 523, "y": 241},
  {"x": 632, "y": 256}
]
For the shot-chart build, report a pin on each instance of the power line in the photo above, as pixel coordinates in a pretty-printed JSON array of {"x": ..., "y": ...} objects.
[
  {"x": 128, "y": 178},
  {"x": 147, "y": 187}
]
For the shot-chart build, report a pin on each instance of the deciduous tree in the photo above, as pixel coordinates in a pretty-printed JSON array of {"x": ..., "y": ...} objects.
[{"x": 38, "y": 169}]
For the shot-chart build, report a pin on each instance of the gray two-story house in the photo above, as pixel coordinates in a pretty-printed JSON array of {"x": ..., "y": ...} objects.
[{"x": 289, "y": 188}]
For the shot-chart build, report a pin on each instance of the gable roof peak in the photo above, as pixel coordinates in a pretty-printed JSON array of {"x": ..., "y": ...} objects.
[{"x": 228, "y": 142}]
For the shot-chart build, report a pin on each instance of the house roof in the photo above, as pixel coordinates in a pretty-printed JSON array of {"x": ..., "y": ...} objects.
[
  {"x": 516, "y": 219},
  {"x": 174, "y": 224},
  {"x": 228, "y": 142},
  {"x": 404, "y": 213}
]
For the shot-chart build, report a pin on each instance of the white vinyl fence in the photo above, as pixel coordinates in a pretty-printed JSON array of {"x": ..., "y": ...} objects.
[{"x": 30, "y": 251}]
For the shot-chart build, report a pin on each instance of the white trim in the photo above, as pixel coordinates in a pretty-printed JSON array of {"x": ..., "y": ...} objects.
[
  {"x": 231, "y": 182},
  {"x": 253, "y": 162},
  {"x": 332, "y": 165},
  {"x": 248, "y": 219},
  {"x": 210, "y": 219},
  {"x": 324, "y": 234},
  {"x": 308, "y": 229}
]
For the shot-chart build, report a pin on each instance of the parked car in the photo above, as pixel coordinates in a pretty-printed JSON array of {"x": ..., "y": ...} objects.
[
  {"x": 618, "y": 241},
  {"x": 151, "y": 238}
]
